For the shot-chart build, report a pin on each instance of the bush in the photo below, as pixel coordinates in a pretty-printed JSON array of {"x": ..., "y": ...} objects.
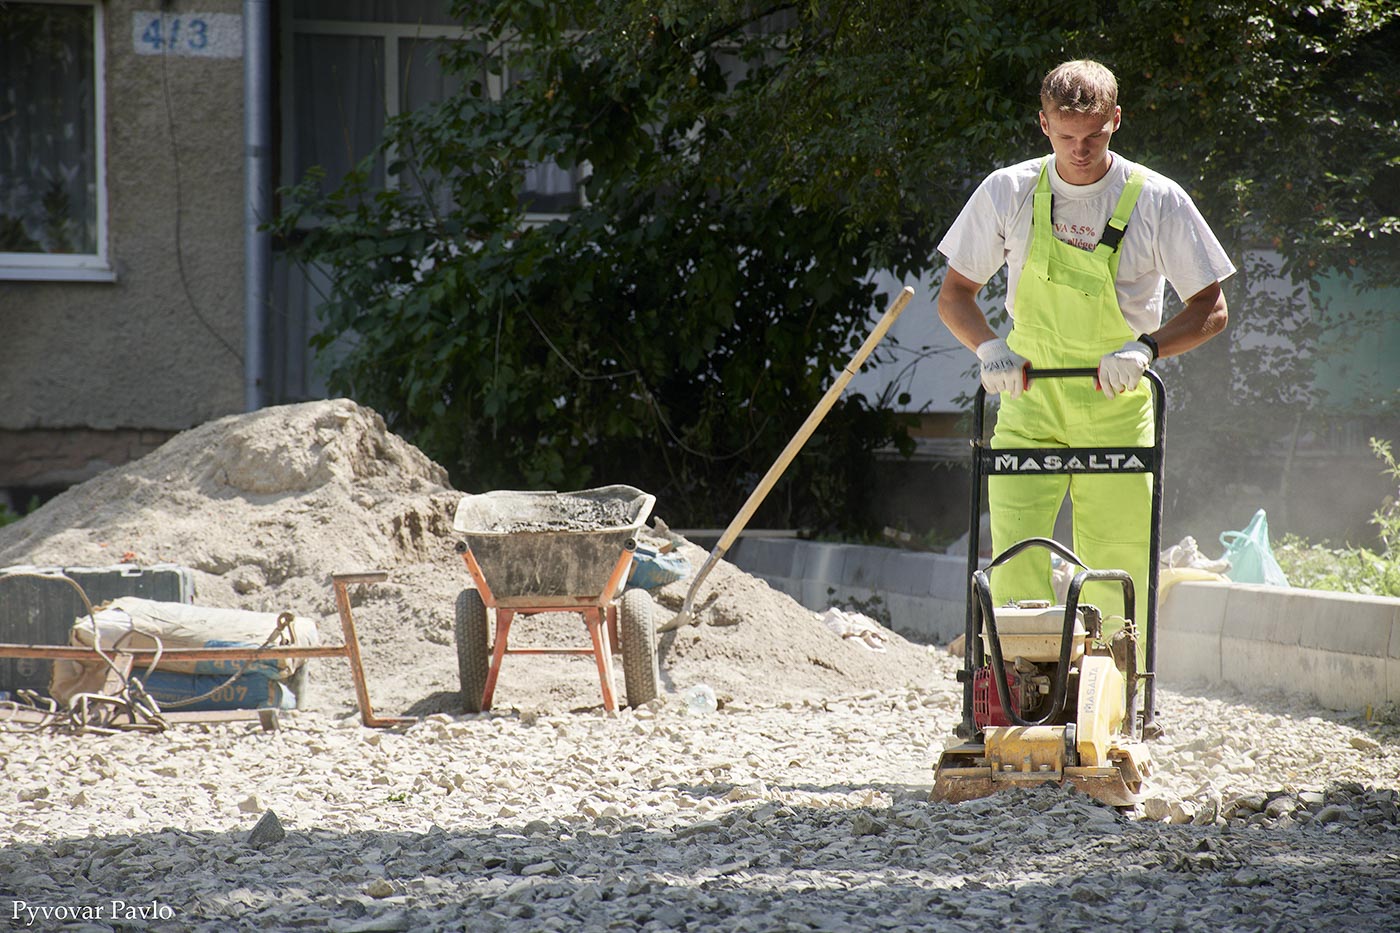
[
  {"x": 1340, "y": 569},
  {"x": 9, "y": 516},
  {"x": 1351, "y": 569}
]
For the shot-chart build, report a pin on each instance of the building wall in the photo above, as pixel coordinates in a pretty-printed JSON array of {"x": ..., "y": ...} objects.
[{"x": 160, "y": 348}]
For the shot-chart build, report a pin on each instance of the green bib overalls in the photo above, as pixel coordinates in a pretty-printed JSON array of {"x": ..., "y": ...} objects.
[{"x": 1066, "y": 314}]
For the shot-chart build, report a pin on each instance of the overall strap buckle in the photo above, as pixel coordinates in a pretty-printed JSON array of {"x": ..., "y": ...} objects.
[{"x": 1118, "y": 223}]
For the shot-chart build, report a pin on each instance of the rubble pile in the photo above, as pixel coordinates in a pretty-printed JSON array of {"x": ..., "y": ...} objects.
[{"x": 264, "y": 507}]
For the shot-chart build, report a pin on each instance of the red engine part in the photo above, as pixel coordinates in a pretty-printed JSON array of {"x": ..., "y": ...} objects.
[{"x": 986, "y": 703}]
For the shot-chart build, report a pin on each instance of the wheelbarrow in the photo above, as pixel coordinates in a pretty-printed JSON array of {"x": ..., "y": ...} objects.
[{"x": 535, "y": 552}]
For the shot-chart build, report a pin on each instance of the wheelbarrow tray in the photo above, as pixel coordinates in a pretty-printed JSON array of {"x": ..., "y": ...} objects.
[{"x": 551, "y": 548}]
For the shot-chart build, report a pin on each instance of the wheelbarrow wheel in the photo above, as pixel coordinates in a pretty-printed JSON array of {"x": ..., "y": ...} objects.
[
  {"x": 473, "y": 655},
  {"x": 637, "y": 631}
]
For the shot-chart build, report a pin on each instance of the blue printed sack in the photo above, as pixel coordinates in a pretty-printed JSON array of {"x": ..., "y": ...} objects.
[{"x": 652, "y": 570}]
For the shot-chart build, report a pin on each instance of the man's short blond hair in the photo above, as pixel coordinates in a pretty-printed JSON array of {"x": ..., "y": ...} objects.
[{"x": 1080, "y": 86}]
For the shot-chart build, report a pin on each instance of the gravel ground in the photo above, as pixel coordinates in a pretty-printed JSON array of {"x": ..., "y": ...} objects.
[{"x": 796, "y": 816}]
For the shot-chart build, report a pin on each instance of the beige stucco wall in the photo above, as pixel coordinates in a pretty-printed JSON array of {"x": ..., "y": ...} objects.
[{"x": 152, "y": 350}]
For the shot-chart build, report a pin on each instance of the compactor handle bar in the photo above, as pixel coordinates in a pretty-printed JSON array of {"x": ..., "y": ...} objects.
[
  {"x": 983, "y": 465},
  {"x": 1061, "y": 373}
]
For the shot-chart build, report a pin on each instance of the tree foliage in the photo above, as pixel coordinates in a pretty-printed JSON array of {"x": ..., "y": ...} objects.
[{"x": 746, "y": 166}]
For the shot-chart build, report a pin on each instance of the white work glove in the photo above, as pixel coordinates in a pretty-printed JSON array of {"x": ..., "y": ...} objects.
[
  {"x": 1121, "y": 370},
  {"x": 1002, "y": 369}
]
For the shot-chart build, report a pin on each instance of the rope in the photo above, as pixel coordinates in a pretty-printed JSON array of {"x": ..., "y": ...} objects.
[{"x": 284, "y": 622}]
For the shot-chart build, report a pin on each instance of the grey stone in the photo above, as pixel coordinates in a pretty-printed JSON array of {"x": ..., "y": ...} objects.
[
  {"x": 267, "y": 831},
  {"x": 1087, "y": 894},
  {"x": 670, "y": 917},
  {"x": 1246, "y": 878},
  {"x": 1156, "y": 809},
  {"x": 393, "y": 921},
  {"x": 1251, "y": 803},
  {"x": 865, "y": 824},
  {"x": 1332, "y": 813},
  {"x": 380, "y": 888},
  {"x": 1183, "y": 812}
]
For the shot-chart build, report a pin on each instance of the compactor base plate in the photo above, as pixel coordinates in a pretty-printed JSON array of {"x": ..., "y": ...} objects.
[{"x": 963, "y": 774}]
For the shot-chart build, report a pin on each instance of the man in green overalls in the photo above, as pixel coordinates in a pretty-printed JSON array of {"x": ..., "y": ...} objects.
[{"x": 1089, "y": 240}]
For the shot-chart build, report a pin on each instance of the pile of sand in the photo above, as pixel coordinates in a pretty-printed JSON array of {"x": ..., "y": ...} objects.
[{"x": 264, "y": 507}]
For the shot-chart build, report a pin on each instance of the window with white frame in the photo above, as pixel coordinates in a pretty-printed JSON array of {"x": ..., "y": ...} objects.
[
  {"x": 52, "y": 178},
  {"x": 354, "y": 66}
]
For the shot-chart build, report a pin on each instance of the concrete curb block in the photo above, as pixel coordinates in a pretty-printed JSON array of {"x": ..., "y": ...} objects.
[
  {"x": 1342, "y": 650},
  {"x": 924, "y": 593},
  {"x": 1191, "y": 620}
]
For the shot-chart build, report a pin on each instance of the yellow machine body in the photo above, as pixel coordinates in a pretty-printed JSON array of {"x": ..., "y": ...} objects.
[{"x": 1094, "y": 751}]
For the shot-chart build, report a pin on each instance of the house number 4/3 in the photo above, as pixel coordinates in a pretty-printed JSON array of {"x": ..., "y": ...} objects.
[
  {"x": 198, "y": 35},
  {"x": 163, "y": 34}
]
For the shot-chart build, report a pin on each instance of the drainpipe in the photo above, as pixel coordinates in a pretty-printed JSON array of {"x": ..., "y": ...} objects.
[{"x": 257, "y": 202}]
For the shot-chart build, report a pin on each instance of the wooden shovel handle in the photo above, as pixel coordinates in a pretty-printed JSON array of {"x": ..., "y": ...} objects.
[{"x": 815, "y": 418}]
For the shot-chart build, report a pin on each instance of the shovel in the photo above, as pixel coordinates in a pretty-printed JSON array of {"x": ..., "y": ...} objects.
[{"x": 687, "y": 613}]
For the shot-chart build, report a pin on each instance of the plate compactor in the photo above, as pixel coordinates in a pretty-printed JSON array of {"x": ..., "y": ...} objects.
[{"x": 1047, "y": 698}]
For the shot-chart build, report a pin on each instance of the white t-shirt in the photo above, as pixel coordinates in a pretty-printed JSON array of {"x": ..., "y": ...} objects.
[{"x": 1167, "y": 239}]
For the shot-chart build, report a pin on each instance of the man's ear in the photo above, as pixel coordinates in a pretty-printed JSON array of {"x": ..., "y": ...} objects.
[
  {"x": 1117, "y": 117},
  {"x": 1044, "y": 124}
]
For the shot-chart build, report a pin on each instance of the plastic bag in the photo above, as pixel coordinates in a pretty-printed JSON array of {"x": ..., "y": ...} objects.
[{"x": 1250, "y": 556}]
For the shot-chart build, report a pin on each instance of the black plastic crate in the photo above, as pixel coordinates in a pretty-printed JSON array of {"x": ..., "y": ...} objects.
[{"x": 42, "y": 612}]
